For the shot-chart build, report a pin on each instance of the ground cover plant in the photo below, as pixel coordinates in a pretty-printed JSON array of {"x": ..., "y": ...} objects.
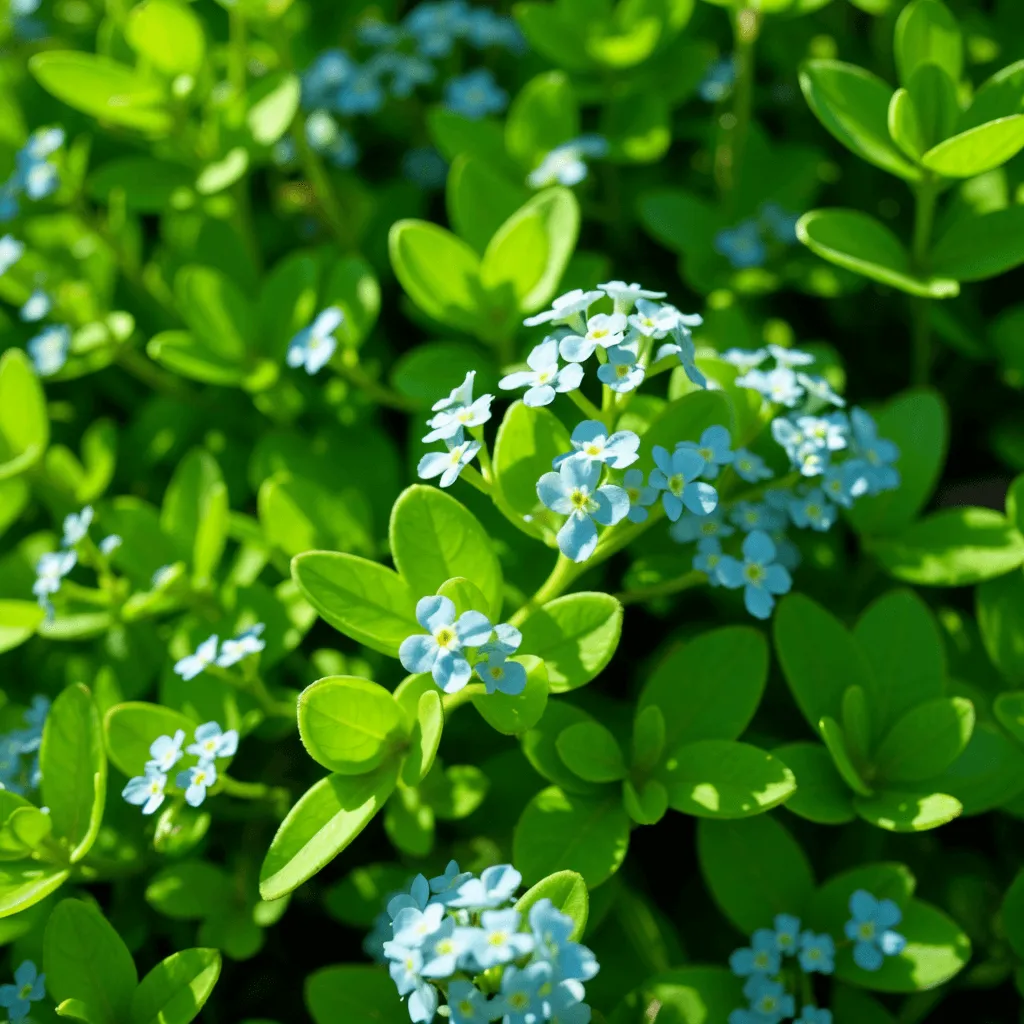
[{"x": 510, "y": 512}]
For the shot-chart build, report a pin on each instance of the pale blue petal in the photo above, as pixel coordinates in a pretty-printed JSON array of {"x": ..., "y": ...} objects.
[
  {"x": 580, "y": 473},
  {"x": 433, "y": 464},
  {"x": 588, "y": 431},
  {"x": 663, "y": 460},
  {"x": 863, "y": 906},
  {"x": 758, "y": 601},
  {"x": 622, "y": 446},
  {"x": 473, "y": 628},
  {"x": 867, "y": 956},
  {"x": 418, "y": 653},
  {"x": 519, "y": 379},
  {"x": 542, "y": 394},
  {"x": 513, "y": 682},
  {"x": 612, "y": 504},
  {"x": 451, "y": 671},
  {"x": 552, "y": 492},
  {"x": 658, "y": 480},
  {"x": 574, "y": 349},
  {"x": 758, "y": 547},
  {"x": 700, "y": 498},
  {"x": 730, "y": 572},
  {"x": 577, "y": 538},
  {"x": 892, "y": 943},
  {"x": 777, "y": 580},
  {"x": 543, "y": 356},
  {"x": 888, "y": 914},
  {"x": 673, "y": 506},
  {"x": 434, "y": 612},
  {"x": 688, "y": 462},
  {"x": 569, "y": 378}
]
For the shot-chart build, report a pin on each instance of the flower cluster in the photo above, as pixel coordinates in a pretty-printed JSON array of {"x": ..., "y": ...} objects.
[
  {"x": 718, "y": 80},
  {"x": 19, "y": 750},
  {"x": 870, "y": 928},
  {"x": 453, "y": 416},
  {"x": 454, "y": 933},
  {"x": 210, "y": 742},
  {"x": 564, "y": 165},
  {"x": 337, "y": 86},
  {"x": 453, "y": 648},
  {"x": 747, "y": 243},
  {"x": 34, "y": 177},
  {"x": 314, "y": 345},
  {"x": 212, "y": 651},
  {"x": 761, "y": 963},
  {"x": 29, "y": 987}
]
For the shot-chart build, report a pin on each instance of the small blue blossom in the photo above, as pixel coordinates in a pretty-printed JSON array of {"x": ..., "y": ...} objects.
[
  {"x": 745, "y": 360},
  {"x": 11, "y": 250},
  {"x": 658, "y": 319},
  {"x": 742, "y": 245},
  {"x": 762, "y": 956},
  {"x": 422, "y": 1003},
  {"x": 146, "y": 790},
  {"x": 521, "y": 1001},
  {"x": 875, "y": 454},
  {"x": 544, "y": 378},
  {"x": 750, "y": 467},
  {"x": 76, "y": 526},
  {"x": 813, "y": 511},
  {"x": 313, "y": 346},
  {"x": 467, "y": 1004},
  {"x": 320, "y": 81},
  {"x": 640, "y": 495},
  {"x": 565, "y": 164},
  {"x": 483, "y": 28},
  {"x": 506, "y": 640},
  {"x": 817, "y": 953},
  {"x": 718, "y": 80},
  {"x": 498, "y": 940},
  {"x": 248, "y": 642},
  {"x": 203, "y": 656},
  {"x": 676, "y": 477},
  {"x": 592, "y": 442},
  {"x": 683, "y": 348},
  {"x": 494, "y": 888},
  {"x": 779, "y": 385},
  {"x": 49, "y": 349},
  {"x": 211, "y": 742},
  {"x": 447, "y": 949},
  {"x": 690, "y": 527},
  {"x": 622, "y": 372},
  {"x": 714, "y": 448},
  {"x": 552, "y": 942},
  {"x": 36, "y": 306},
  {"x": 448, "y": 465},
  {"x": 51, "y": 570},
  {"x": 844, "y": 483},
  {"x": 790, "y": 357},
  {"x": 501, "y": 675},
  {"x": 814, "y": 1015},
  {"x": 708, "y": 558},
  {"x": 35, "y": 175},
  {"x": 787, "y": 933},
  {"x": 458, "y": 411},
  {"x": 625, "y": 296},
  {"x": 29, "y": 987},
  {"x": 768, "y": 998},
  {"x": 439, "y": 651},
  {"x": 417, "y": 897},
  {"x": 376, "y": 33},
  {"x": 566, "y": 309},
  {"x": 574, "y": 492},
  {"x": 425, "y": 167},
  {"x": 870, "y": 929},
  {"x": 820, "y": 388},
  {"x": 602, "y": 331},
  {"x": 110, "y": 544},
  {"x": 196, "y": 780},
  {"x": 360, "y": 93},
  {"x": 165, "y": 751},
  {"x": 475, "y": 94},
  {"x": 761, "y": 578}
]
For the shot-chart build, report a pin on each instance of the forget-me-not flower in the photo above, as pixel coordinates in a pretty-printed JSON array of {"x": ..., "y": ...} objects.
[
  {"x": 812, "y": 511},
  {"x": 360, "y": 93},
  {"x": 110, "y": 544},
  {"x": 625, "y": 296},
  {"x": 745, "y": 359},
  {"x": 691, "y": 527},
  {"x": 683, "y": 348},
  {"x": 742, "y": 245},
  {"x": 204, "y": 655},
  {"x": 475, "y": 94},
  {"x": 458, "y": 411},
  {"x": 51, "y": 569},
  {"x": 602, "y": 331},
  {"x": 494, "y": 888},
  {"x": 876, "y": 454},
  {"x": 641, "y": 496},
  {"x": 658, "y": 319},
  {"x": 313, "y": 346},
  {"x": 211, "y": 742},
  {"x": 76, "y": 526},
  {"x": 11, "y": 250},
  {"x": 790, "y": 357},
  {"x": 564, "y": 165},
  {"x": 817, "y": 953},
  {"x": 565, "y": 309},
  {"x": 714, "y": 448},
  {"x": 814, "y": 1015},
  {"x": 146, "y": 790},
  {"x": 448, "y": 465},
  {"x": 778, "y": 385},
  {"x": 165, "y": 751},
  {"x": 762, "y": 956},
  {"x": 749, "y": 466},
  {"x": 574, "y": 492},
  {"x": 49, "y": 349},
  {"x": 467, "y": 1004},
  {"x": 768, "y": 997},
  {"x": 248, "y": 642},
  {"x": 520, "y": 1000},
  {"x": 676, "y": 478},
  {"x": 196, "y": 780},
  {"x": 35, "y": 307},
  {"x": 592, "y": 442},
  {"x": 320, "y": 81},
  {"x": 439, "y": 651},
  {"x": 552, "y": 941},
  {"x": 29, "y": 987},
  {"x": 708, "y": 558},
  {"x": 760, "y": 576},
  {"x": 718, "y": 80},
  {"x": 622, "y": 372},
  {"x": 819, "y": 387},
  {"x": 445, "y": 949},
  {"x": 845, "y": 482},
  {"x": 425, "y": 167},
  {"x": 871, "y": 930},
  {"x": 501, "y": 675},
  {"x": 544, "y": 378}
]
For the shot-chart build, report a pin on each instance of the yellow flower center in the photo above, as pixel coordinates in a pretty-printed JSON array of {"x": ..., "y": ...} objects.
[
  {"x": 579, "y": 500},
  {"x": 622, "y": 370},
  {"x": 497, "y": 938},
  {"x": 497, "y": 672},
  {"x": 709, "y": 528},
  {"x": 754, "y": 573},
  {"x": 866, "y": 930},
  {"x": 592, "y": 449},
  {"x": 444, "y": 637},
  {"x": 676, "y": 484},
  {"x": 544, "y": 376},
  {"x": 519, "y": 1000}
]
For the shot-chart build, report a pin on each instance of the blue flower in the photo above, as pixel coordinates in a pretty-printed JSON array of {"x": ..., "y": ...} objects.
[
  {"x": 51, "y": 569},
  {"x": 829, "y": 432},
  {"x": 814, "y": 1015},
  {"x": 750, "y": 515},
  {"x": 506, "y": 640},
  {"x": 625, "y": 296},
  {"x": 713, "y": 448},
  {"x": 246, "y": 643},
  {"x": 759, "y": 575},
  {"x": 742, "y": 245},
  {"x": 544, "y": 378},
  {"x": 676, "y": 477},
  {"x": 444, "y": 888},
  {"x": 321, "y": 79},
  {"x": 602, "y": 331},
  {"x": 817, "y": 953},
  {"x": 407, "y": 72},
  {"x": 448, "y": 465},
  {"x": 762, "y": 956},
  {"x": 573, "y": 491},
  {"x": 552, "y": 943},
  {"x": 445, "y": 950},
  {"x": 521, "y": 1001},
  {"x": 475, "y": 94},
  {"x": 685, "y": 351},
  {"x": 204, "y": 655},
  {"x": 622, "y": 372},
  {"x": 708, "y": 559},
  {"x": 820, "y": 388},
  {"x": 790, "y": 357},
  {"x": 591, "y": 442},
  {"x": 49, "y": 349},
  {"x": 787, "y": 933},
  {"x": 566, "y": 309},
  {"x": 494, "y": 888},
  {"x": 313, "y": 346},
  {"x": 781, "y": 225},
  {"x": 498, "y": 939},
  {"x": 564, "y": 165},
  {"x": 750, "y": 467},
  {"x": 196, "y": 780},
  {"x": 641, "y": 497},
  {"x": 361, "y": 93},
  {"x": 870, "y": 929},
  {"x": 35, "y": 716},
  {"x": 467, "y": 1004},
  {"x": 779, "y": 385},
  {"x": 35, "y": 175},
  {"x": 813, "y": 511},
  {"x": 376, "y": 33},
  {"x": 439, "y": 651},
  {"x": 212, "y": 742},
  {"x": 876, "y": 454},
  {"x": 691, "y": 527},
  {"x": 422, "y": 1003},
  {"x": 29, "y": 987},
  {"x": 658, "y": 319},
  {"x": 768, "y": 998},
  {"x": 484, "y": 28},
  {"x": 406, "y": 962},
  {"x": 718, "y": 80},
  {"x": 165, "y": 751},
  {"x": 146, "y": 790},
  {"x": 11, "y": 250},
  {"x": 36, "y": 306},
  {"x": 845, "y": 482},
  {"x": 425, "y": 167},
  {"x": 417, "y": 897},
  {"x": 458, "y": 411},
  {"x": 76, "y": 526},
  {"x": 501, "y": 675},
  {"x": 745, "y": 360},
  {"x": 110, "y": 544}
]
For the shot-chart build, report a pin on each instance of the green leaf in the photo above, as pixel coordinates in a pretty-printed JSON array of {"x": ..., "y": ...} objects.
[
  {"x": 195, "y": 512},
  {"x": 905, "y": 125},
  {"x": 561, "y": 831},
  {"x": 952, "y": 548},
  {"x": 685, "y": 419},
  {"x": 567, "y": 890},
  {"x": 529, "y": 253},
  {"x": 821, "y": 794},
  {"x": 327, "y": 817},
  {"x": 918, "y": 422},
  {"x": 1009, "y": 711},
  {"x": 85, "y": 959},
  {"x": 24, "y": 425},
  {"x": 751, "y": 889},
  {"x": 936, "y": 104},
  {"x": 709, "y": 687},
  {"x": 350, "y": 725},
  {"x": 926, "y": 740},
  {"x": 999, "y": 96},
  {"x": 540, "y": 748},
  {"x": 439, "y": 272},
  {"x": 190, "y": 891},
  {"x": 425, "y": 738},
  {"x": 724, "y": 779},
  {"x": 111, "y": 92},
  {"x": 856, "y": 722},
  {"x": 1013, "y": 914},
  {"x": 543, "y": 115},
  {"x": 576, "y": 635},
  {"x": 74, "y": 768},
  {"x": 480, "y": 198},
  {"x": 852, "y": 1006},
  {"x": 990, "y": 772},
  {"x": 838, "y": 747},
  {"x": 456, "y": 792},
  {"x": 528, "y": 440},
  {"x": 191, "y": 356},
  {"x": 454, "y": 135},
  {"x": 926, "y": 33},
  {"x": 649, "y": 731},
  {"x": 24, "y": 883},
  {"x": 223, "y": 173},
  {"x": 351, "y": 285},
  {"x": 409, "y": 823},
  {"x": 974, "y": 248},
  {"x": 364, "y": 600},
  {"x": 646, "y": 804},
  {"x": 167, "y": 35},
  {"x": 145, "y": 185},
  {"x": 270, "y": 116},
  {"x": 131, "y": 728},
  {"x": 853, "y": 105},
  {"x": 897, "y": 811},
  {"x": 861, "y": 243},
  {"x": 638, "y": 128},
  {"x": 358, "y": 898},
  {"x": 18, "y": 621},
  {"x": 434, "y": 538},
  {"x": 819, "y": 658},
  {"x": 590, "y": 751},
  {"x": 513, "y": 716},
  {"x": 977, "y": 150},
  {"x": 438, "y": 367},
  {"x": 176, "y": 989},
  {"x": 683, "y": 995},
  {"x": 353, "y": 992}
]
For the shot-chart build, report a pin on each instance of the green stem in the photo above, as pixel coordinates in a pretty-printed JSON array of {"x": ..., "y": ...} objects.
[
  {"x": 736, "y": 124},
  {"x": 590, "y": 410},
  {"x": 323, "y": 190},
  {"x": 664, "y": 589},
  {"x": 358, "y": 377},
  {"x": 451, "y": 701},
  {"x": 257, "y": 689},
  {"x": 146, "y": 371},
  {"x": 277, "y": 795},
  {"x": 925, "y": 197}
]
